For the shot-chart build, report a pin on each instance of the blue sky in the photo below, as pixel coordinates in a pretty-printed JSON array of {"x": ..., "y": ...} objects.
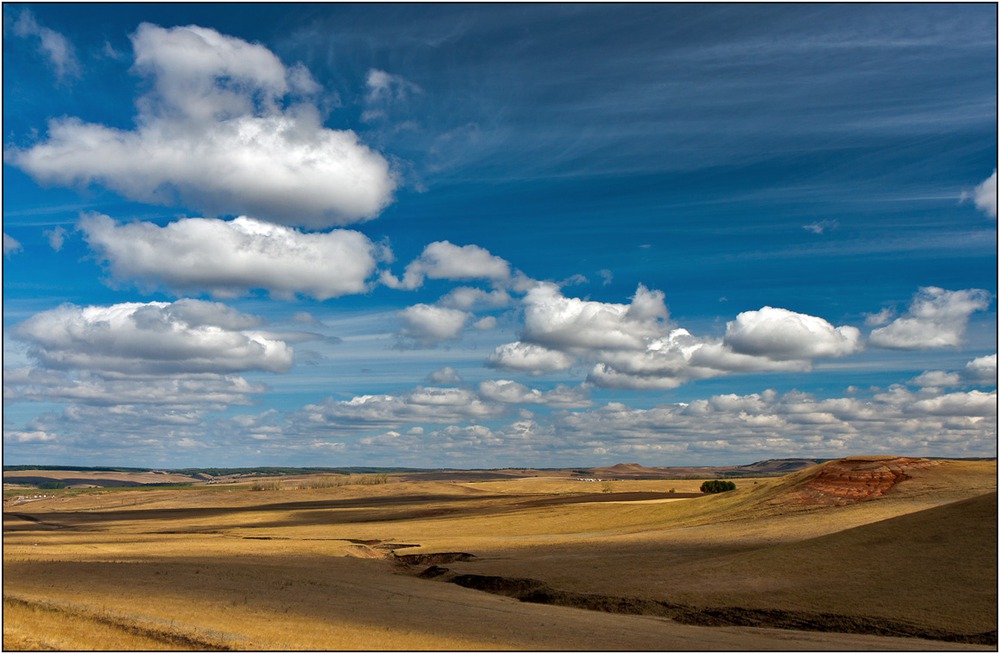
[{"x": 498, "y": 235}]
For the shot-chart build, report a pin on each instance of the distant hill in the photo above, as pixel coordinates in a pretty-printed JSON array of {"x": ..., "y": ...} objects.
[{"x": 768, "y": 468}]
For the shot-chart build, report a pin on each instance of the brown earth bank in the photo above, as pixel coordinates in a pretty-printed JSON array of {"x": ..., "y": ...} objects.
[{"x": 874, "y": 566}]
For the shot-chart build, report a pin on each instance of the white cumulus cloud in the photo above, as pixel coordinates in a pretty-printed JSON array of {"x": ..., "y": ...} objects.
[
  {"x": 188, "y": 392},
  {"x": 528, "y": 357},
  {"x": 214, "y": 134},
  {"x": 228, "y": 258},
  {"x": 985, "y": 196},
  {"x": 973, "y": 404},
  {"x": 982, "y": 370},
  {"x": 936, "y": 318},
  {"x": 562, "y": 323},
  {"x": 467, "y": 298},
  {"x": 444, "y": 260},
  {"x": 422, "y": 404},
  {"x": 427, "y": 325},
  {"x": 782, "y": 334},
  {"x": 446, "y": 375},
  {"x": 635, "y": 345},
  {"x": 511, "y": 392},
  {"x": 187, "y": 336},
  {"x": 936, "y": 379},
  {"x": 28, "y": 436}
]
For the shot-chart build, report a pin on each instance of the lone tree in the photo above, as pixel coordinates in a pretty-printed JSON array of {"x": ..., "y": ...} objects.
[{"x": 717, "y": 486}]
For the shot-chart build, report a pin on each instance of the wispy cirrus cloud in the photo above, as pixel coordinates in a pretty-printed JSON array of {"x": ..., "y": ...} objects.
[
  {"x": 385, "y": 90},
  {"x": 57, "y": 49},
  {"x": 10, "y": 245}
]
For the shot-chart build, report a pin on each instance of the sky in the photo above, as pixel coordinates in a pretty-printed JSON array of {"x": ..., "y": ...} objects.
[{"x": 498, "y": 235}]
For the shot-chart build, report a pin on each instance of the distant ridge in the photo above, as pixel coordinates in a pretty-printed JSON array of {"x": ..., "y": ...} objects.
[{"x": 767, "y": 468}]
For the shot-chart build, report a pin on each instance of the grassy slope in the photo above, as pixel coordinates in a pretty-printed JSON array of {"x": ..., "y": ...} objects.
[
  {"x": 934, "y": 567},
  {"x": 122, "y": 562},
  {"x": 924, "y": 553}
]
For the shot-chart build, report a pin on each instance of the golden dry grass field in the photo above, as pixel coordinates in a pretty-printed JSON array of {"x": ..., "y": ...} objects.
[{"x": 862, "y": 554}]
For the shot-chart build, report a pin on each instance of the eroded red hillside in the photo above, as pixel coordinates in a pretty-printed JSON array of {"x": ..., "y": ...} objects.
[{"x": 856, "y": 479}]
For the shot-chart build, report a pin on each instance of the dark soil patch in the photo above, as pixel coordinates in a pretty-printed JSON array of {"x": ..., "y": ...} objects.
[
  {"x": 35, "y": 523},
  {"x": 433, "y": 558},
  {"x": 392, "y": 547},
  {"x": 432, "y": 572}
]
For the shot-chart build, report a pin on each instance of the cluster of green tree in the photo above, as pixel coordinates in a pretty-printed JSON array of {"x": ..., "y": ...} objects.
[{"x": 717, "y": 486}]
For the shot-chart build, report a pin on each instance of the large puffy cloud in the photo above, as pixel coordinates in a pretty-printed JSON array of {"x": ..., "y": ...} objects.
[
  {"x": 187, "y": 336},
  {"x": 782, "y": 334},
  {"x": 936, "y": 318},
  {"x": 213, "y": 135},
  {"x": 444, "y": 260},
  {"x": 563, "y": 323},
  {"x": 427, "y": 325},
  {"x": 227, "y": 258}
]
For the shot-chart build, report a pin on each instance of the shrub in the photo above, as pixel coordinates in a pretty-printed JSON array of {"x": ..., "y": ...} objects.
[
  {"x": 717, "y": 486},
  {"x": 348, "y": 480},
  {"x": 265, "y": 486}
]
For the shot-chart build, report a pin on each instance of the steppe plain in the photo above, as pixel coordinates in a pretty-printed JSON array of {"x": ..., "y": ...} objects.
[{"x": 865, "y": 553}]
